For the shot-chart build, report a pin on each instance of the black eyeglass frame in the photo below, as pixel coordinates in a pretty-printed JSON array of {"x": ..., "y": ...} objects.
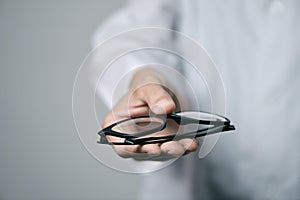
[{"x": 130, "y": 139}]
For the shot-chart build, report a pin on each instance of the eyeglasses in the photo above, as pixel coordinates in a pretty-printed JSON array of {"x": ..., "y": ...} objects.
[{"x": 163, "y": 128}]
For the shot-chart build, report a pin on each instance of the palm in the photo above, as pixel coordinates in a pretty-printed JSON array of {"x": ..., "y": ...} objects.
[{"x": 134, "y": 105}]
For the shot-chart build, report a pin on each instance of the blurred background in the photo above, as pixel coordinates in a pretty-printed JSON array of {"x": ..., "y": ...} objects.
[{"x": 42, "y": 44}]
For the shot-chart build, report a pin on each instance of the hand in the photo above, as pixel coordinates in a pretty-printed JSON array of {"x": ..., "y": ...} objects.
[{"x": 147, "y": 95}]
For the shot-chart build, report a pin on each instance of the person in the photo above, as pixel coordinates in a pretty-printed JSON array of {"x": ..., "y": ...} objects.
[{"x": 255, "y": 45}]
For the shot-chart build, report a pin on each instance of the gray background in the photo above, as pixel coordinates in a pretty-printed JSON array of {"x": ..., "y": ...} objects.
[{"x": 42, "y": 44}]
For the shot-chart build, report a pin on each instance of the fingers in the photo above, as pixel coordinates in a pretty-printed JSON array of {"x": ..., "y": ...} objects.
[
  {"x": 190, "y": 145},
  {"x": 138, "y": 151},
  {"x": 165, "y": 150},
  {"x": 178, "y": 148},
  {"x": 154, "y": 98},
  {"x": 151, "y": 149}
]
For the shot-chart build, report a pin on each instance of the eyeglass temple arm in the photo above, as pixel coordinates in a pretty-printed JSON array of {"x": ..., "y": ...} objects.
[
  {"x": 185, "y": 121},
  {"x": 217, "y": 129}
]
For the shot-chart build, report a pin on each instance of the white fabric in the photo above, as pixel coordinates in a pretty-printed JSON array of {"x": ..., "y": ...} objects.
[{"x": 256, "y": 46}]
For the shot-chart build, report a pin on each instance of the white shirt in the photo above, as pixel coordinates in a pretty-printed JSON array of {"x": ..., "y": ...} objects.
[{"x": 256, "y": 47}]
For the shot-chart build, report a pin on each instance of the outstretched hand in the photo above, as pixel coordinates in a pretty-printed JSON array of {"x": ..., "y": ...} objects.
[{"x": 147, "y": 95}]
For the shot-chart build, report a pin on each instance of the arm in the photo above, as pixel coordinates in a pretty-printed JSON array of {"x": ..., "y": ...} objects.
[{"x": 145, "y": 92}]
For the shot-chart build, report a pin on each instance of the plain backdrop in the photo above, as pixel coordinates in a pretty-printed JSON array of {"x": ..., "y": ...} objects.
[{"x": 42, "y": 44}]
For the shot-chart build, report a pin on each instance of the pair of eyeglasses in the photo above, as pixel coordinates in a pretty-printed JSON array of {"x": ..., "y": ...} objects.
[{"x": 163, "y": 128}]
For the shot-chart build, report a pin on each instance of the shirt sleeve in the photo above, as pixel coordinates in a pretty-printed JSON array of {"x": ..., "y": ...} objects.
[{"x": 134, "y": 15}]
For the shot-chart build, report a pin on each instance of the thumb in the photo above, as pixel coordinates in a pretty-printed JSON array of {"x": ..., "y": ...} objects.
[{"x": 158, "y": 99}]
